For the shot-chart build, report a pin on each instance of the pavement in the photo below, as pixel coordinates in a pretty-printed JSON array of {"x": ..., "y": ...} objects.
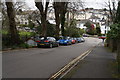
[{"x": 98, "y": 64}]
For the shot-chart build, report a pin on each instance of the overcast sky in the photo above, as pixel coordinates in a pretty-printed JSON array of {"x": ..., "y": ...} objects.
[{"x": 97, "y": 4}]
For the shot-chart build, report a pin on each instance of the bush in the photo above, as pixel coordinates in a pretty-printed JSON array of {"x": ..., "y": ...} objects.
[
  {"x": 23, "y": 33},
  {"x": 23, "y": 25},
  {"x": 24, "y": 45},
  {"x": 114, "y": 32},
  {"x": 113, "y": 35},
  {"x": 73, "y": 32},
  {"x": 50, "y": 29}
]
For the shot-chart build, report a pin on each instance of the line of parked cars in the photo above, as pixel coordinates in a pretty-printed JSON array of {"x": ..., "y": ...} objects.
[{"x": 52, "y": 42}]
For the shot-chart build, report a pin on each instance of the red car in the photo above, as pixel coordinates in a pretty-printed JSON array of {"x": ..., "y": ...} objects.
[
  {"x": 73, "y": 40},
  {"x": 102, "y": 37}
]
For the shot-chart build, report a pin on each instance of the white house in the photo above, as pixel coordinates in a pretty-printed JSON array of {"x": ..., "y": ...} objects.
[{"x": 22, "y": 19}]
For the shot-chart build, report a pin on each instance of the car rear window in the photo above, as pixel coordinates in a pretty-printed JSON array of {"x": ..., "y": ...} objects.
[{"x": 43, "y": 38}]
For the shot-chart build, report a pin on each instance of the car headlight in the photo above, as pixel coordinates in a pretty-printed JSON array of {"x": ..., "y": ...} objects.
[
  {"x": 65, "y": 41},
  {"x": 58, "y": 41}
]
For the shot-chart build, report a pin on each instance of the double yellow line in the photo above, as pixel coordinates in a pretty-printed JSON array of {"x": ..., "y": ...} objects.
[{"x": 70, "y": 65}]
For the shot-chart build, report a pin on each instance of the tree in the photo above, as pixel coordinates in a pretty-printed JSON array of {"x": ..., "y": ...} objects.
[
  {"x": 14, "y": 36},
  {"x": 43, "y": 13},
  {"x": 74, "y": 7},
  {"x": 60, "y": 11},
  {"x": 113, "y": 36},
  {"x": 72, "y": 30},
  {"x": 90, "y": 28},
  {"x": 112, "y": 12},
  {"x": 51, "y": 29},
  {"x": 35, "y": 16},
  {"x": 57, "y": 10},
  {"x": 31, "y": 24},
  {"x": 64, "y": 6},
  {"x": 98, "y": 30},
  {"x": 117, "y": 19},
  {"x": 4, "y": 17},
  {"x": 61, "y": 8},
  {"x": 19, "y": 6}
]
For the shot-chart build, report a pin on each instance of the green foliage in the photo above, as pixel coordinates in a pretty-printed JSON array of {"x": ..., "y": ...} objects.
[
  {"x": 39, "y": 29},
  {"x": 91, "y": 32},
  {"x": 23, "y": 25},
  {"x": 24, "y": 45},
  {"x": 50, "y": 29},
  {"x": 88, "y": 24},
  {"x": 31, "y": 25},
  {"x": 73, "y": 32},
  {"x": 114, "y": 32},
  {"x": 73, "y": 23},
  {"x": 4, "y": 32},
  {"x": 23, "y": 33},
  {"x": 98, "y": 30},
  {"x": 89, "y": 29}
]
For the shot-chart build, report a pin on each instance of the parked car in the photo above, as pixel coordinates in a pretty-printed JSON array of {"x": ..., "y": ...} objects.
[
  {"x": 47, "y": 42},
  {"x": 79, "y": 40},
  {"x": 74, "y": 40},
  {"x": 82, "y": 39},
  {"x": 102, "y": 37},
  {"x": 86, "y": 35},
  {"x": 64, "y": 41}
]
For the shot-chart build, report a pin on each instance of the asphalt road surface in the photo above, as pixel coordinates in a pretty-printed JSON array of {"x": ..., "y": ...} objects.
[{"x": 42, "y": 62}]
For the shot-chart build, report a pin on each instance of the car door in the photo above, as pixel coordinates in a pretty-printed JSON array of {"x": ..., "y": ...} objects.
[{"x": 54, "y": 41}]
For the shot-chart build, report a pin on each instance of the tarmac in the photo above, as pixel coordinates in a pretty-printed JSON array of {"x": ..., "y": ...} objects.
[{"x": 97, "y": 65}]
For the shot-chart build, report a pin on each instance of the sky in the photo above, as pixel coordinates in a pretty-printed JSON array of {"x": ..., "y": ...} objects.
[{"x": 97, "y": 4}]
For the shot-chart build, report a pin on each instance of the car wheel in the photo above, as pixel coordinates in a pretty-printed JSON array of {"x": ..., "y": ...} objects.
[
  {"x": 67, "y": 43},
  {"x": 51, "y": 45},
  {"x": 58, "y": 45},
  {"x": 38, "y": 46}
]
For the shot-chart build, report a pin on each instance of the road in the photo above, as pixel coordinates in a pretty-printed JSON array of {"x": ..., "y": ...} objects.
[{"x": 42, "y": 62}]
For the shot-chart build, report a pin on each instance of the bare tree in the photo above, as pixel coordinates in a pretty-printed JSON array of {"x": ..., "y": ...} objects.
[
  {"x": 111, "y": 11},
  {"x": 61, "y": 9},
  {"x": 17, "y": 7},
  {"x": 43, "y": 13},
  {"x": 14, "y": 37},
  {"x": 74, "y": 7},
  {"x": 64, "y": 6},
  {"x": 57, "y": 6}
]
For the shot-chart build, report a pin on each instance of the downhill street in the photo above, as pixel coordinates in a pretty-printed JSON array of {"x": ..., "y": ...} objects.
[{"x": 42, "y": 62}]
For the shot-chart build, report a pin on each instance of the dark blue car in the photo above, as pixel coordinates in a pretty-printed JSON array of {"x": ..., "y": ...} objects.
[{"x": 65, "y": 41}]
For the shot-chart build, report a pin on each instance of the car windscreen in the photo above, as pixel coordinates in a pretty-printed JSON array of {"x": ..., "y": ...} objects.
[
  {"x": 44, "y": 38},
  {"x": 65, "y": 37}
]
